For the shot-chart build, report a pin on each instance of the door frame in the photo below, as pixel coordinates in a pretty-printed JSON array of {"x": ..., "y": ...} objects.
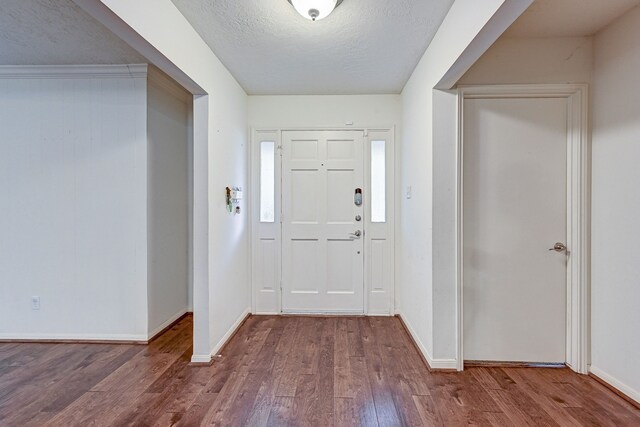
[
  {"x": 376, "y": 302},
  {"x": 578, "y": 209}
]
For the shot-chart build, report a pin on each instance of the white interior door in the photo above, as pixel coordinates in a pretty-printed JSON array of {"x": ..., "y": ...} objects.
[
  {"x": 515, "y": 192},
  {"x": 322, "y": 237}
]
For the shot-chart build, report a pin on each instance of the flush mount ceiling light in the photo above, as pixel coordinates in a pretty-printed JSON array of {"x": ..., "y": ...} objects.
[{"x": 315, "y": 10}]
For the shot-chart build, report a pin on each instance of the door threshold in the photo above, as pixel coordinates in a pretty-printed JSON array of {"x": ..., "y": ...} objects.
[
  {"x": 321, "y": 314},
  {"x": 497, "y": 364}
]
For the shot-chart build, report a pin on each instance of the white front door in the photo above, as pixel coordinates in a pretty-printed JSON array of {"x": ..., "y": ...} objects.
[
  {"x": 322, "y": 225},
  {"x": 515, "y": 193}
]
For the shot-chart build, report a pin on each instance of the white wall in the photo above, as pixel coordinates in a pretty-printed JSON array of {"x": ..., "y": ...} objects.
[
  {"x": 325, "y": 111},
  {"x": 221, "y": 289},
  {"x": 426, "y": 306},
  {"x": 229, "y": 256},
  {"x": 534, "y": 60},
  {"x": 413, "y": 238},
  {"x": 615, "y": 298},
  {"x": 167, "y": 201},
  {"x": 444, "y": 273},
  {"x": 73, "y": 202}
]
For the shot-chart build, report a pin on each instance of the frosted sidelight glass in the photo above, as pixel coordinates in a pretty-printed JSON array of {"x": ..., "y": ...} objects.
[
  {"x": 267, "y": 181},
  {"x": 378, "y": 182}
]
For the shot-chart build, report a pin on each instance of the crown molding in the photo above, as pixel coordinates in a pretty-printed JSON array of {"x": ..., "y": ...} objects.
[{"x": 73, "y": 71}]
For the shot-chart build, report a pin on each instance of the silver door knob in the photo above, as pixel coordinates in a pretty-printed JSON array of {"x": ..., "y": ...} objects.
[
  {"x": 358, "y": 233},
  {"x": 558, "y": 247}
]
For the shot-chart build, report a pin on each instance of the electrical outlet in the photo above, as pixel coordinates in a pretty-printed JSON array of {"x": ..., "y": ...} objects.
[{"x": 35, "y": 303}]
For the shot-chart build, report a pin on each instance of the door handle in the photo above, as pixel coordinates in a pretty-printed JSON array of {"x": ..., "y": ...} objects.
[
  {"x": 559, "y": 247},
  {"x": 356, "y": 235}
]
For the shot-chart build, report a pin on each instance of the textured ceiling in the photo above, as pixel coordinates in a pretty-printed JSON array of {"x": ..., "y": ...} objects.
[
  {"x": 57, "y": 32},
  {"x": 567, "y": 18},
  {"x": 363, "y": 47}
]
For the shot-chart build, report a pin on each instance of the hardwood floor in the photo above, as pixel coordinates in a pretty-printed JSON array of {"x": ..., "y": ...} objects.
[{"x": 287, "y": 371}]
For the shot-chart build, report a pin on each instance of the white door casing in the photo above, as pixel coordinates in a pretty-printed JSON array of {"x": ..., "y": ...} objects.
[
  {"x": 514, "y": 211},
  {"x": 577, "y": 209},
  {"x": 322, "y": 242}
]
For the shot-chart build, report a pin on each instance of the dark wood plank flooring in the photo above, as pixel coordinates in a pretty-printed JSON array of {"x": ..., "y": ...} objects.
[{"x": 277, "y": 371}]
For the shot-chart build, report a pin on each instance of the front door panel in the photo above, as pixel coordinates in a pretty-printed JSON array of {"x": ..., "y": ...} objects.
[{"x": 322, "y": 264}]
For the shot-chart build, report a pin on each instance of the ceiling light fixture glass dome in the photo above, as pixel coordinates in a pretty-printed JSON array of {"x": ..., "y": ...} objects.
[{"x": 315, "y": 10}]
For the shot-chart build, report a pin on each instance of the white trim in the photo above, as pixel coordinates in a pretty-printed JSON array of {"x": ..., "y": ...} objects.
[
  {"x": 251, "y": 212},
  {"x": 200, "y": 359},
  {"x": 442, "y": 364},
  {"x": 142, "y": 338},
  {"x": 232, "y": 330},
  {"x": 577, "y": 209},
  {"x": 166, "y": 323},
  {"x": 619, "y": 385},
  {"x": 459, "y": 247},
  {"x": 434, "y": 364},
  {"x": 207, "y": 358},
  {"x": 72, "y": 71},
  {"x": 358, "y": 313},
  {"x": 578, "y": 216}
]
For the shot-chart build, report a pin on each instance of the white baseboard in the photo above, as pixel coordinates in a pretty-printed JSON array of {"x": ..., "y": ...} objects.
[
  {"x": 230, "y": 332},
  {"x": 75, "y": 337},
  {"x": 434, "y": 364},
  {"x": 443, "y": 364},
  {"x": 207, "y": 358},
  {"x": 615, "y": 383},
  {"x": 167, "y": 322},
  {"x": 141, "y": 338},
  {"x": 201, "y": 359}
]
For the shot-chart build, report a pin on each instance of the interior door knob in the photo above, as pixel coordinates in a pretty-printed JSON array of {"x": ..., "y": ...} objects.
[
  {"x": 559, "y": 247},
  {"x": 357, "y": 233}
]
